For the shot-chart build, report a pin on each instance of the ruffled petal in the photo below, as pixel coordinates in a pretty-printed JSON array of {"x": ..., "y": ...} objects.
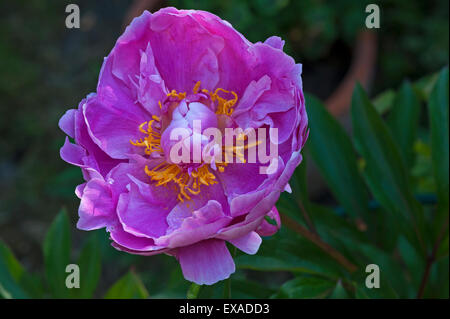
[
  {"x": 186, "y": 228},
  {"x": 268, "y": 229},
  {"x": 249, "y": 243},
  {"x": 181, "y": 43},
  {"x": 96, "y": 207},
  {"x": 206, "y": 262}
]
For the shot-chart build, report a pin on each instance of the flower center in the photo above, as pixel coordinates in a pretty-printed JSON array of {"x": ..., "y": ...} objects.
[{"x": 188, "y": 180}]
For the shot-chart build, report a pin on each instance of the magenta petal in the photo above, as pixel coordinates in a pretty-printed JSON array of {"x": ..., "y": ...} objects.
[
  {"x": 72, "y": 153},
  {"x": 113, "y": 122},
  {"x": 185, "y": 51},
  {"x": 141, "y": 217},
  {"x": 67, "y": 123},
  {"x": 151, "y": 250},
  {"x": 249, "y": 243},
  {"x": 125, "y": 240},
  {"x": 204, "y": 223},
  {"x": 266, "y": 228},
  {"x": 96, "y": 208},
  {"x": 275, "y": 42},
  {"x": 206, "y": 262},
  {"x": 79, "y": 190}
]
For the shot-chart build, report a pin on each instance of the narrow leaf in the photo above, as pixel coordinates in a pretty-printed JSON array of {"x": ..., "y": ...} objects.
[
  {"x": 333, "y": 152},
  {"x": 439, "y": 118},
  {"x": 57, "y": 248},
  {"x": 129, "y": 286},
  {"x": 385, "y": 170},
  {"x": 90, "y": 267},
  {"x": 403, "y": 121}
]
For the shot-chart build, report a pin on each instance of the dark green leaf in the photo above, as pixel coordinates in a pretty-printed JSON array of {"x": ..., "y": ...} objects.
[
  {"x": 13, "y": 265},
  {"x": 193, "y": 291},
  {"x": 439, "y": 118},
  {"x": 29, "y": 283},
  {"x": 286, "y": 251},
  {"x": 129, "y": 286},
  {"x": 393, "y": 282},
  {"x": 306, "y": 287},
  {"x": 243, "y": 289},
  {"x": 90, "y": 267},
  {"x": 415, "y": 264},
  {"x": 384, "y": 170},
  {"x": 403, "y": 121},
  {"x": 339, "y": 292},
  {"x": 57, "y": 247},
  {"x": 384, "y": 101},
  {"x": 333, "y": 152},
  {"x": 10, "y": 273}
]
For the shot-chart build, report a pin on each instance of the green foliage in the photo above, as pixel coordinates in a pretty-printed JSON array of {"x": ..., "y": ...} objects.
[
  {"x": 57, "y": 248},
  {"x": 438, "y": 114},
  {"x": 90, "y": 265},
  {"x": 127, "y": 287},
  {"x": 333, "y": 152}
]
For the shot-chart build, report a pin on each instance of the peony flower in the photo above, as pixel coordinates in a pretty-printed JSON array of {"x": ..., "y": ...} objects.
[{"x": 167, "y": 71}]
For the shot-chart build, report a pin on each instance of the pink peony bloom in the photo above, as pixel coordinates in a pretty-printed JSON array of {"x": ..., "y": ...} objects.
[{"x": 167, "y": 70}]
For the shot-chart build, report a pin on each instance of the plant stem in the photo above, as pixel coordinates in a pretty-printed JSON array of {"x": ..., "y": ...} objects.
[
  {"x": 315, "y": 239},
  {"x": 308, "y": 220},
  {"x": 227, "y": 286},
  {"x": 431, "y": 259}
]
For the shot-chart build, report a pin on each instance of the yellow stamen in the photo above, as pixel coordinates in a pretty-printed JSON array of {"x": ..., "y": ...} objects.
[
  {"x": 164, "y": 173},
  {"x": 224, "y": 106},
  {"x": 174, "y": 93},
  {"x": 151, "y": 142},
  {"x": 196, "y": 87}
]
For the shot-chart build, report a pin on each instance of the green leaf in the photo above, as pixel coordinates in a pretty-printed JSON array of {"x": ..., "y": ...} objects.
[
  {"x": 333, "y": 152},
  {"x": 385, "y": 171},
  {"x": 90, "y": 267},
  {"x": 29, "y": 283},
  {"x": 286, "y": 251},
  {"x": 438, "y": 286},
  {"x": 384, "y": 292},
  {"x": 337, "y": 231},
  {"x": 339, "y": 292},
  {"x": 403, "y": 121},
  {"x": 384, "y": 101},
  {"x": 57, "y": 247},
  {"x": 425, "y": 85},
  {"x": 415, "y": 264},
  {"x": 439, "y": 118},
  {"x": 305, "y": 287},
  {"x": 393, "y": 281},
  {"x": 10, "y": 273},
  {"x": 294, "y": 203},
  {"x": 12, "y": 264},
  {"x": 193, "y": 291},
  {"x": 129, "y": 286},
  {"x": 247, "y": 289}
]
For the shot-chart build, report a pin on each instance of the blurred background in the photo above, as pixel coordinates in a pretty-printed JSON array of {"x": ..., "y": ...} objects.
[{"x": 46, "y": 69}]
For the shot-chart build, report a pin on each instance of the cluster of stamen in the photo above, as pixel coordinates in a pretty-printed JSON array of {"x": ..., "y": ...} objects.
[
  {"x": 188, "y": 183},
  {"x": 151, "y": 142}
]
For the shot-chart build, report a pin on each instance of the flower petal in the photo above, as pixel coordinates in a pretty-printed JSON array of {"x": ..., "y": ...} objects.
[
  {"x": 96, "y": 207},
  {"x": 206, "y": 262},
  {"x": 249, "y": 243}
]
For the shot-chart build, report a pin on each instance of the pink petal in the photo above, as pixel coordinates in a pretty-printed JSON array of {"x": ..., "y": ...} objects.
[
  {"x": 96, "y": 207},
  {"x": 249, "y": 243},
  {"x": 206, "y": 262}
]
